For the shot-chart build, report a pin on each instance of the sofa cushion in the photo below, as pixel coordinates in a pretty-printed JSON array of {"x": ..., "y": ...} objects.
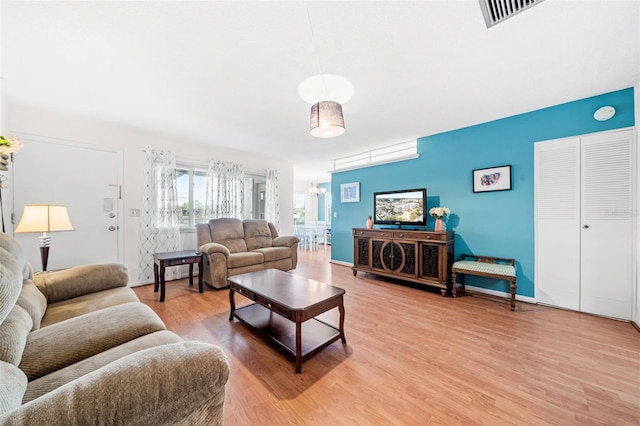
[
  {"x": 66, "y": 309},
  {"x": 228, "y": 232},
  {"x": 45, "y": 384},
  {"x": 80, "y": 280},
  {"x": 10, "y": 283},
  {"x": 257, "y": 234},
  {"x": 14, "y": 384},
  {"x": 13, "y": 335},
  {"x": 32, "y": 301},
  {"x": 238, "y": 260},
  {"x": 10, "y": 244},
  {"x": 64, "y": 343},
  {"x": 274, "y": 253}
]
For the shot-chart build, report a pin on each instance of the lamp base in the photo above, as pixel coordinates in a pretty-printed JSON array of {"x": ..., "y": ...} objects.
[{"x": 44, "y": 256}]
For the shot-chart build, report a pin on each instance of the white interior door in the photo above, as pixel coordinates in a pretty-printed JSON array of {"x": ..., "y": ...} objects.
[
  {"x": 86, "y": 179},
  {"x": 607, "y": 225},
  {"x": 584, "y": 204},
  {"x": 557, "y": 219}
]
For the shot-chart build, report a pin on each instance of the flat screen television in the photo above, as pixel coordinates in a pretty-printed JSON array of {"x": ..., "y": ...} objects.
[{"x": 402, "y": 207}]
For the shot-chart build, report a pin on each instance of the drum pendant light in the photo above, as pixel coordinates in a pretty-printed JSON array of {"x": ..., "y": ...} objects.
[{"x": 327, "y": 120}]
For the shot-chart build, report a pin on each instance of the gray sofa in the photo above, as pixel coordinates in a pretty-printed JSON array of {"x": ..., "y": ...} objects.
[
  {"x": 78, "y": 347},
  {"x": 233, "y": 247}
]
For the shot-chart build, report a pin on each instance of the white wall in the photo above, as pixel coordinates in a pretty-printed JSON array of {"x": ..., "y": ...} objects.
[{"x": 132, "y": 142}]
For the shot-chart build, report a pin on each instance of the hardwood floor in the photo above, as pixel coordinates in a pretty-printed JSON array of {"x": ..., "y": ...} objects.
[{"x": 414, "y": 357}]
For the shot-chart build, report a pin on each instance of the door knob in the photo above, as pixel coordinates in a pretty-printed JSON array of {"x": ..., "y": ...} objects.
[
  {"x": 112, "y": 228},
  {"x": 112, "y": 215},
  {"x": 585, "y": 226}
]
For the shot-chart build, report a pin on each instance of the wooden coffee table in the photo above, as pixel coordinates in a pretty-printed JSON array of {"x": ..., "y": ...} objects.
[{"x": 297, "y": 301}]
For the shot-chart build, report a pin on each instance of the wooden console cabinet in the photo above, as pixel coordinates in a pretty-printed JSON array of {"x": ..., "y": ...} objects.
[{"x": 422, "y": 257}]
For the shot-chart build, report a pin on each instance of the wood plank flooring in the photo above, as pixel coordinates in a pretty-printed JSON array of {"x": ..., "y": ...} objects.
[{"x": 414, "y": 357}]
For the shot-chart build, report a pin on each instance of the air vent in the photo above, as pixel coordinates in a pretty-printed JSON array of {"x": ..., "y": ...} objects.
[{"x": 496, "y": 11}]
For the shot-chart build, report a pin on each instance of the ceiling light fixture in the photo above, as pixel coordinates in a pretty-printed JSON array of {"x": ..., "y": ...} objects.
[{"x": 327, "y": 120}]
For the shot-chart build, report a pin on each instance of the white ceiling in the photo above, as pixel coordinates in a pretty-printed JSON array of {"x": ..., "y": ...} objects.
[{"x": 227, "y": 73}]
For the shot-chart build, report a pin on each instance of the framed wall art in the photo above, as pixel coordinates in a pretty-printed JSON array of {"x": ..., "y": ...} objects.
[
  {"x": 350, "y": 192},
  {"x": 492, "y": 179}
]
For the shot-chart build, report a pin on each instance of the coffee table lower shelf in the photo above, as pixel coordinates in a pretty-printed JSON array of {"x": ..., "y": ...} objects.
[{"x": 315, "y": 334}]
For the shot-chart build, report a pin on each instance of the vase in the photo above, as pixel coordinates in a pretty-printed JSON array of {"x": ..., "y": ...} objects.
[
  {"x": 369, "y": 223},
  {"x": 439, "y": 225}
]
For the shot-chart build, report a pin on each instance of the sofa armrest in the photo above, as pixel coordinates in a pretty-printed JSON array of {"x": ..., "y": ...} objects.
[
  {"x": 80, "y": 280},
  {"x": 285, "y": 241},
  {"x": 211, "y": 248},
  {"x": 179, "y": 383}
]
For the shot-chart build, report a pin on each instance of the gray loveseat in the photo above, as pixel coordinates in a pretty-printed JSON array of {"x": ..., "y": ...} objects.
[
  {"x": 233, "y": 247},
  {"x": 78, "y": 347}
]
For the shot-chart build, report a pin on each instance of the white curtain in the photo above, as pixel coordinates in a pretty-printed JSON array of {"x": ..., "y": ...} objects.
[
  {"x": 225, "y": 190},
  {"x": 159, "y": 226},
  {"x": 272, "y": 202}
]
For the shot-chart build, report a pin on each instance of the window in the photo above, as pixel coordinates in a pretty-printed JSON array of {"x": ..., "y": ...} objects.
[
  {"x": 192, "y": 194},
  {"x": 255, "y": 187},
  {"x": 192, "y": 191}
]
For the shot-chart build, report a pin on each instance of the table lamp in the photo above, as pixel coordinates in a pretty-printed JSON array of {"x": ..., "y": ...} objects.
[{"x": 44, "y": 218}]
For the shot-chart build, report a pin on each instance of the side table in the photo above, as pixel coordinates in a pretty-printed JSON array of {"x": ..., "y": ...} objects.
[{"x": 175, "y": 258}]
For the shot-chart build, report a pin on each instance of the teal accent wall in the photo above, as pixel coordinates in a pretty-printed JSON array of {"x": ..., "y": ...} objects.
[{"x": 497, "y": 223}]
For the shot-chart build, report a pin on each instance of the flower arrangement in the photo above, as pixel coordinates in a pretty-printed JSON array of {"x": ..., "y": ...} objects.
[
  {"x": 9, "y": 145},
  {"x": 439, "y": 212}
]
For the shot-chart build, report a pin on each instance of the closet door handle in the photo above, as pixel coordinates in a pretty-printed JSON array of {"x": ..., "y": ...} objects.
[{"x": 585, "y": 226}]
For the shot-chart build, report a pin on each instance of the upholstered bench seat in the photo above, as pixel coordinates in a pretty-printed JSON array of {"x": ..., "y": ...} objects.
[{"x": 489, "y": 267}]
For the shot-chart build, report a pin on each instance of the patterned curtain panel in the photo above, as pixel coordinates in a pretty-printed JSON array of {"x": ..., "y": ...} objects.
[
  {"x": 159, "y": 226},
  {"x": 272, "y": 202},
  {"x": 225, "y": 190}
]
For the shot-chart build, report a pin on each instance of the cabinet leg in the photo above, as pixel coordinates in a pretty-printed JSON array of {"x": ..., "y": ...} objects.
[{"x": 513, "y": 295}]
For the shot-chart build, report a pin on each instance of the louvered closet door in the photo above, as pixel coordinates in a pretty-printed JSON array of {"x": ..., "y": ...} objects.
[
  {"x": 557, "y": 212},
  {"x": 584, "y": 200},
  {"x": 607, "y": 225}
]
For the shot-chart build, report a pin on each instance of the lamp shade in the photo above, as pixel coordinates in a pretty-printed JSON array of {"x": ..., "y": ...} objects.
[
  {"x": 44, "y": 218},
  {"x": 327, "y": 120}
]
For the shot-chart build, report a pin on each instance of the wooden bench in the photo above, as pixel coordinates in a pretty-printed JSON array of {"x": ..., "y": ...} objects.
[{"x": 486, "y": 266}]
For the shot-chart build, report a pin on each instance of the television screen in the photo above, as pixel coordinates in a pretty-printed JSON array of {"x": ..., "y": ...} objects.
[{"x": 404, "y": 207}]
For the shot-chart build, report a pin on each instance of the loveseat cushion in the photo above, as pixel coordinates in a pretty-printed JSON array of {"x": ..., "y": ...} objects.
[
  {"x": 274, "y": 253},
  {"x": 64, "y": 343},
  {"x": 10, "y": 283},
  {"x": 14, "y": 384},
  {"x": 257, "y": 234},
  {"x": 32, "y": 301},
  {"x": 45, "y": 384},
  {"x": 92, "y": 302},
  {"x": 13, "y": 335},
  {"x": 238, "y": 260},
  {"x": 228, "y": 232}
]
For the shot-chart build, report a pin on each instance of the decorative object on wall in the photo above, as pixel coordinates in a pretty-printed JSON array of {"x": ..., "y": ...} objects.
[
  {"x": 605, "y": 113},
  {"x": 492, "y": 179},
  {"x": 327, "y": 120},
  {"x": 44, "y": 218},
  {"x": 350, "y": 192},
  {"x": 438, "y": 213}
]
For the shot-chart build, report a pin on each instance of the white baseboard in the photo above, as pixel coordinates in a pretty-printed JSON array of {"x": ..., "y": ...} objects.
[
  {"x": 501, "y": 294},
  {"x": 339, "y": 262}
]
